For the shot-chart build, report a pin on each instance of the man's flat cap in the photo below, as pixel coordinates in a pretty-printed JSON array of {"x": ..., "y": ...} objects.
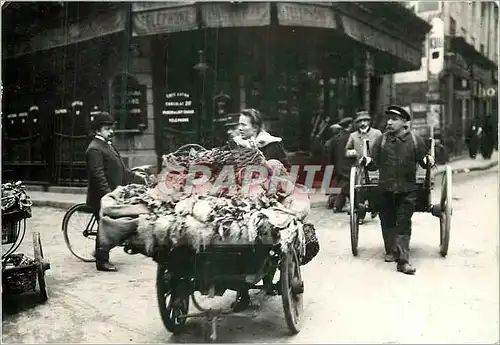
[
  {"x": 398, "y": 111},
  {"x": 362, "y": 115},
  {"x": 345, "y": 121}
]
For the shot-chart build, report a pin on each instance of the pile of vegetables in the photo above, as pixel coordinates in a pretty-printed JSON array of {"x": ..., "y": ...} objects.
[{"x": 203, "y": 216}]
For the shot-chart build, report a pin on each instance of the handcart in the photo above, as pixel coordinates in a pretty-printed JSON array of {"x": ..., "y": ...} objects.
[
  {"x": 220, "y": 267},
  {"x": 363, "y": 198},
  {"x": 181, "y": 272},
  {"x": 20, "y": 273}
]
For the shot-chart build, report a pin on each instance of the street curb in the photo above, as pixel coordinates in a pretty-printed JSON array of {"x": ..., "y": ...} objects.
[
  {"x": 314, "y": 204},
  {"x": 322, "y": 203},
  {"x": 467, "y": 170},
  {"x": 64, "y": 205}
]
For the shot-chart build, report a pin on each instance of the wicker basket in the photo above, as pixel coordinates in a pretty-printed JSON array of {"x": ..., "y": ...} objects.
[
  {"x": 20, "y": 279},
  {"x": 10, "y": 222}
]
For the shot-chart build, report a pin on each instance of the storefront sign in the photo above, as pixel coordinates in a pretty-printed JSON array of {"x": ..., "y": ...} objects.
[
  {"x": 463, "y": 94},
  {"x": 140, "y": 6},
  {"x": 305, "y": 14},
  {"x": 178, "y": 108},
  {"x": 372, "y": 37},
  {"x": 164, "y": 20},
  {"x": 434, "y": 115},
  {"x": 129, "y": 103},
  {"x": 488, "y": 92},
  {"x": 435, "y": 54},
  {"x": 85, "y": 29},
  {"x": 226, "y": 14}
]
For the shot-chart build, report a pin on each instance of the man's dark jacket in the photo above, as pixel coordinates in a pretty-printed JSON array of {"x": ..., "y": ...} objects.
[
  {"x": 106, "y": 171},
  {"x": 397, "y": 161},
  {"x": 342, "y": 163}
]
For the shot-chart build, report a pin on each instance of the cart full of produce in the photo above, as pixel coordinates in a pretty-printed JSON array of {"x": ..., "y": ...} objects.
[
  {"x": 20, "y": 273},
  {"x": 224, "y": 233}
]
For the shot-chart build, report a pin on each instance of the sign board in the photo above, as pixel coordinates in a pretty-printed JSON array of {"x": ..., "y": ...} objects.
[
  {"x": 226, "y": 14},
  {"x": 164, "y": 19},
  {"x": 434, "y": 115},
  {"x": 129, "y": 103},
  {"x": 463, "y": 94},
  {"x": 432, "y": 96},
  {"x": 419, "y": 121},
  {"x": 488, "y": 92},
  {"x": 436, "y": 46},
  {"x": 178, "y": 109},
  {"x": 305, "y": 14}
]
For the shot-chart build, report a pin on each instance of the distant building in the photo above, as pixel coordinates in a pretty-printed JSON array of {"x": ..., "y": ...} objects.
[{"x": 458, "y": 78}]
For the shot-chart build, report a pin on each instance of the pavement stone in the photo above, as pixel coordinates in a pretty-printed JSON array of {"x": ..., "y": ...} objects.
[{"x": 64, "y": 198}]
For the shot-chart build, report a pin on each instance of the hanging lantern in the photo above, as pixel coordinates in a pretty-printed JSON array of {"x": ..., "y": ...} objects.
[{"x": 201, "y": 66}]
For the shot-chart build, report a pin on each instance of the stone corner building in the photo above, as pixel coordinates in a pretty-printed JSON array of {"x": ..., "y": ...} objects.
[
  {"x": 170, "y": 72},
  {"x": 458, "y": 78}
]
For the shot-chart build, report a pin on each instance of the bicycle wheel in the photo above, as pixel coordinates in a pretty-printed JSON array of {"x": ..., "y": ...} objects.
[{"x": 80, "y": 230}]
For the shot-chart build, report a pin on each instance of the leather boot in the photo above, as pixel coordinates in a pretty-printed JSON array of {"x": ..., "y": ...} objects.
[
  {"x": 403, "y": 245},
  {"x": 391, "y": 252},
  {"x": 242, "y": 301},
  {"x": 102, "y": 258}
]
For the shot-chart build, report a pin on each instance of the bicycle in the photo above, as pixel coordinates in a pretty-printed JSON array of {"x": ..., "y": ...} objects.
[{"x": 80, "y": 238}]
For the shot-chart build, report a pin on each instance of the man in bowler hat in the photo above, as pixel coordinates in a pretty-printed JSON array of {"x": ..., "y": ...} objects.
[
  {"x": 395, "y": 155},
  {"x": 106, "y": 171}
]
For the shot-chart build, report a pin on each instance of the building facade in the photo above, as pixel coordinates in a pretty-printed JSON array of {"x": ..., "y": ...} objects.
[
  {"x": 458, "y": 78},
  {"x": 172, "y": 72}
]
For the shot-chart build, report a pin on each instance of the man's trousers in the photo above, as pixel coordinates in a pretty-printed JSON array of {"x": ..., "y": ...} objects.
[{"x": 396, "y": 210}]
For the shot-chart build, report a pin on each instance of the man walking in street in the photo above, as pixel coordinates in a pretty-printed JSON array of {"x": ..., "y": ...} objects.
[
  {"x": 354, "y": 146},
  {"x": 364, "y": 130},
  {"x": 472, "y": 138},
  {"x": 106, "y": 171},
  {"x": 395, "y": 155},
  {"x": 342, "y": 163}
]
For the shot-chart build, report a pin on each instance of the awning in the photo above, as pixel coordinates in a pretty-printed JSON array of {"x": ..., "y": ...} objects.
[
  {"x": 87, "y": 29},
  {"x": 151, "y": 18},
  {"x": 312, "y": 14},
  {"x": 226, "y": 14},
  {"x": 379, "y": 40},
  {"x": 460, "y": 45}
]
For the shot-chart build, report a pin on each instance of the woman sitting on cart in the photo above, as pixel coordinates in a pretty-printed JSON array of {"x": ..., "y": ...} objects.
[
  {"x": 395, "y": 155},
  {"x": 253, "y": 135}
]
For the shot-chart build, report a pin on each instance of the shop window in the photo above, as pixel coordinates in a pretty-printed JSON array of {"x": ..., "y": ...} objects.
[{"x": 129, "y": 103}]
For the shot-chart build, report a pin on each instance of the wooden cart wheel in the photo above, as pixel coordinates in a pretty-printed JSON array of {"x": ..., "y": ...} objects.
[
  {"x": 446, "y": 212},
  {"x": 170, "y": 306},
  {"x": 38, "y": 252},
  {"x": 353, "y": 212},
  {"x": 292, "y": 289}
]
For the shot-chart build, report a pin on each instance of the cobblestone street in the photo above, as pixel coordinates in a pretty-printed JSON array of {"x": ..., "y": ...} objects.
[{"x": 347, "y": 299}]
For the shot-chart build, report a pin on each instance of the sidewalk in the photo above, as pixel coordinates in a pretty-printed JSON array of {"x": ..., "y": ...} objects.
[{"x": 65, "y": 198}]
